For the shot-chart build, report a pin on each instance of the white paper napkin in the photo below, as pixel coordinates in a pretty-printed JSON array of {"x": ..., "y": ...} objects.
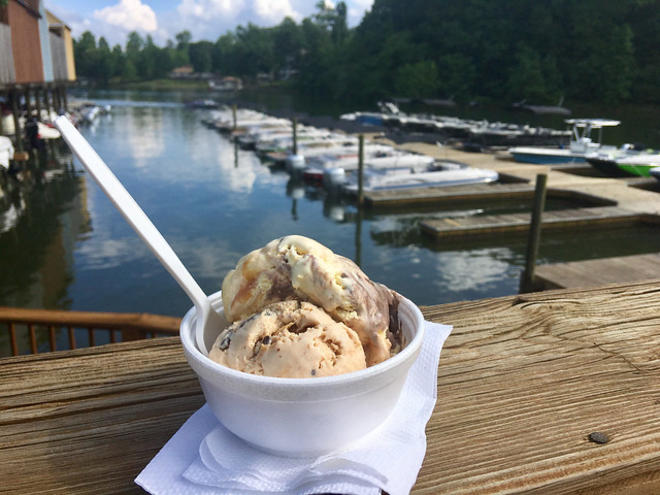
[{"x": 205, "y": 458}]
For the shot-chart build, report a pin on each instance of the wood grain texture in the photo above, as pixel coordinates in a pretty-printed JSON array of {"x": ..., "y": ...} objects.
[
  {"x": 522, "y": 382},
  {"x": 598, "y": 272},
  {"x": 519, "y": 222},
  {"x": 120, "y": 321}
]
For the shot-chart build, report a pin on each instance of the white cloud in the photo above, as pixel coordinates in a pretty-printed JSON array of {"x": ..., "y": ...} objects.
[
  {"x": 356, "y": 10},
  {"x": 273, "y": 11},
  {"x": 129, "y": 15},
  {"x": 208, "y": 19},
  {"x": 207, "y": 9}
]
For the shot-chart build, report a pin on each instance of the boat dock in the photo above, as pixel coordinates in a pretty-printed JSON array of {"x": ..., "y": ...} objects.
[
  {"x": 599, "y": 272},
  {"x": 519, "y": 180},
  {"x": 519, "y": 222}
]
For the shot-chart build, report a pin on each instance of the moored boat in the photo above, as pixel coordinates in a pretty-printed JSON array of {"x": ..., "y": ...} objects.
[
  {"x": 580, "y": 146},
  {"x": 402, "y": 178},
  {"x": 639, "y": 164}
]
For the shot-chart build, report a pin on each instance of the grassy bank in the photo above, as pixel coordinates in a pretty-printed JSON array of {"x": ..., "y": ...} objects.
[{"x": 164, "y": 85}]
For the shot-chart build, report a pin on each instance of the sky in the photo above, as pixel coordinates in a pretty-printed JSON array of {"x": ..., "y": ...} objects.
[{"x": 162, "y": 19}]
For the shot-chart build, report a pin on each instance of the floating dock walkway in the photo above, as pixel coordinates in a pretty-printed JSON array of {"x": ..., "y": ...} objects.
[
  {"x": 474, "y": 192},
  {"x": 596, "y": 273},
  {"x": 519, "y": 222}
]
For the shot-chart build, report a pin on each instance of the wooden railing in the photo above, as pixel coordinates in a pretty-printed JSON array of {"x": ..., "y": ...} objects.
[{"x": 129, "y": 326}]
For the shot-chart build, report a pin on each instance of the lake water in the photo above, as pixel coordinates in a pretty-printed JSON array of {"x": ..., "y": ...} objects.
[{"x": 63, "y": 245}]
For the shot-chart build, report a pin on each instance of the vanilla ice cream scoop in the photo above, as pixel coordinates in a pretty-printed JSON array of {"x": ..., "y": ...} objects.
[
  {"x": 289, "y": 339},
  {"x": 296, "y": 267}
]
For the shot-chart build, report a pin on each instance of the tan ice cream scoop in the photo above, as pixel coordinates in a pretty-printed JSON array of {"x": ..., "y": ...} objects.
[
  {"x": 296, "y": 267},
  {"x": 289, "y": 339}
]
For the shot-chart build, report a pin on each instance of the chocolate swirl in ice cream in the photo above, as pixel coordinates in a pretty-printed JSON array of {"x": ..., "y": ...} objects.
[{"x": 296, "y": 267}]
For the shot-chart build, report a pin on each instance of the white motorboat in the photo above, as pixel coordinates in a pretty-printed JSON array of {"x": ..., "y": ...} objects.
[
  {"x": 580, "y": 146},
  {"x": 655, "y": 172},
  {"x": 379, "y": 180},
  {"x": 48, "y": 132},
  {"x": 394, "y": 159},
  {"x": 6, "y": 151},
  {"x": 639, "y": 164},
  {"x": 89, "y": 113}
]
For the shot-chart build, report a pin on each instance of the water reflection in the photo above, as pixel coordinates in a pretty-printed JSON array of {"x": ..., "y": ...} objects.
[
  {"x": 64, "y": 245},
  {"x": 42, "y": 213}
]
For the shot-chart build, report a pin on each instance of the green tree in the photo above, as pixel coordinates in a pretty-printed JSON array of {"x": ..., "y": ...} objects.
[
  {"x": 417, "y": 80},
  {"x": 183, "y": 40},
  {"x": 526, "y": 79},
  {"x": 85, "y": 52},
  {"x": 201, "y": 56},
  {"x": 103, "y": 61}
]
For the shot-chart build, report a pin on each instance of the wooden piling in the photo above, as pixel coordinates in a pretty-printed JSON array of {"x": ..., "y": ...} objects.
[
  {"x": 47, "y": 101},
  {"x": 17, "y": 126},
  {"x": 233, "y": 112},
  {"x": 534, "y": 239},
  {"x": 37, "y": 102},
  {"x": 28, "y": 103},
  {"x": 295, "y": 136},
  {"x": 360, "y": 196},
  {"x": 56, "y": 100},
  {"x": 64, "y": 98},
  {"x": 2, "y": 129},
  {"x": 358, "y": 237}
]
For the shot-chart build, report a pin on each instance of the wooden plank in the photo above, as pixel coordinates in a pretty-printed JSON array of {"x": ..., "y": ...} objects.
[
  {"x": 448, "y": 194},
  {"x": 522, "y": 382},
  {"x": 592, "y": 273},
  {"x": 519, "y": 222}
]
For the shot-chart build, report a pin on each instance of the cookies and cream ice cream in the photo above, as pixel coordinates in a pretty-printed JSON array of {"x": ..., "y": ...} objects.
[
  {"x": 290, "y": 339},
  {"x": 296, "y": 268}
]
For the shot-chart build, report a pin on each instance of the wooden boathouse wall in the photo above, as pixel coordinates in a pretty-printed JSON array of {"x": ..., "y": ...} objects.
[
  {"x": 64, "y": 67},
  {"x": 7, "y": 72},
  {"x": 26, "y": 48},
  {"x": 58, "y": 52}
]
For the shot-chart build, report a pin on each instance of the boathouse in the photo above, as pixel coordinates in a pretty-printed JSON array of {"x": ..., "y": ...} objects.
[
  {"x": 25, "y": 63},
  {"x": 36, "y": 64},
  {"x": 36, "y": 45}
]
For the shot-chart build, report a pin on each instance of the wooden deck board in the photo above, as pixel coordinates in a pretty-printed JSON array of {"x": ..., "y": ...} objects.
[
  {"x": 593, "y": 273},
  {"x": 443, "y": 194},
  {"x": 519, "y": 222},
  {"x": 522, "y": 381}
]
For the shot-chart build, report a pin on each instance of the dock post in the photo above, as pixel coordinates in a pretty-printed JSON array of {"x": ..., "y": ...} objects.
[
  {"x": 2, "y": 127},
  {"x": 360, "y": 198},
  {"x": 233, "y": 112},
  {"x": 37, "y": 102},
  {"x": 66, "y": 103},
  {"x": 534, "y": 239},
  {"x": 17, "y": 125},
  {"x": 295, "y": 136},
  {"x": 28, "y": 104},
  {"x": 56, "y": 99},
  {"x": 47, "y": 101}
]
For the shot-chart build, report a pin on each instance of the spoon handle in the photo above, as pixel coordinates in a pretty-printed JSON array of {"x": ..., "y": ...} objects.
[{"x": 131, "y": 211}]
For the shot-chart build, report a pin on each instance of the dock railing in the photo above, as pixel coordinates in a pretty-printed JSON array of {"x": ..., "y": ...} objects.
[{"x": 36, "y": 322}]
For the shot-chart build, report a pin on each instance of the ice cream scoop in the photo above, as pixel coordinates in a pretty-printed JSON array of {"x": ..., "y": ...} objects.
[
  {"x": 296, "y": 267},
  {"x": 289, "y": 339}
]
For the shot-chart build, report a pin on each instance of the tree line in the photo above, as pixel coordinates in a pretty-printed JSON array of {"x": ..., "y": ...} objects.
[{"x": 466, "y": 50}]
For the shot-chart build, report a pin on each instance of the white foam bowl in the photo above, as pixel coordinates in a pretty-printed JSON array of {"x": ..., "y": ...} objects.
[{"x": 299, "y": 417}]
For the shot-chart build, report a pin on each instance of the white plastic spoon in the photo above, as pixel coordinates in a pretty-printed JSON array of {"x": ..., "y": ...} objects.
[{"x": 207, "y": 317}]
